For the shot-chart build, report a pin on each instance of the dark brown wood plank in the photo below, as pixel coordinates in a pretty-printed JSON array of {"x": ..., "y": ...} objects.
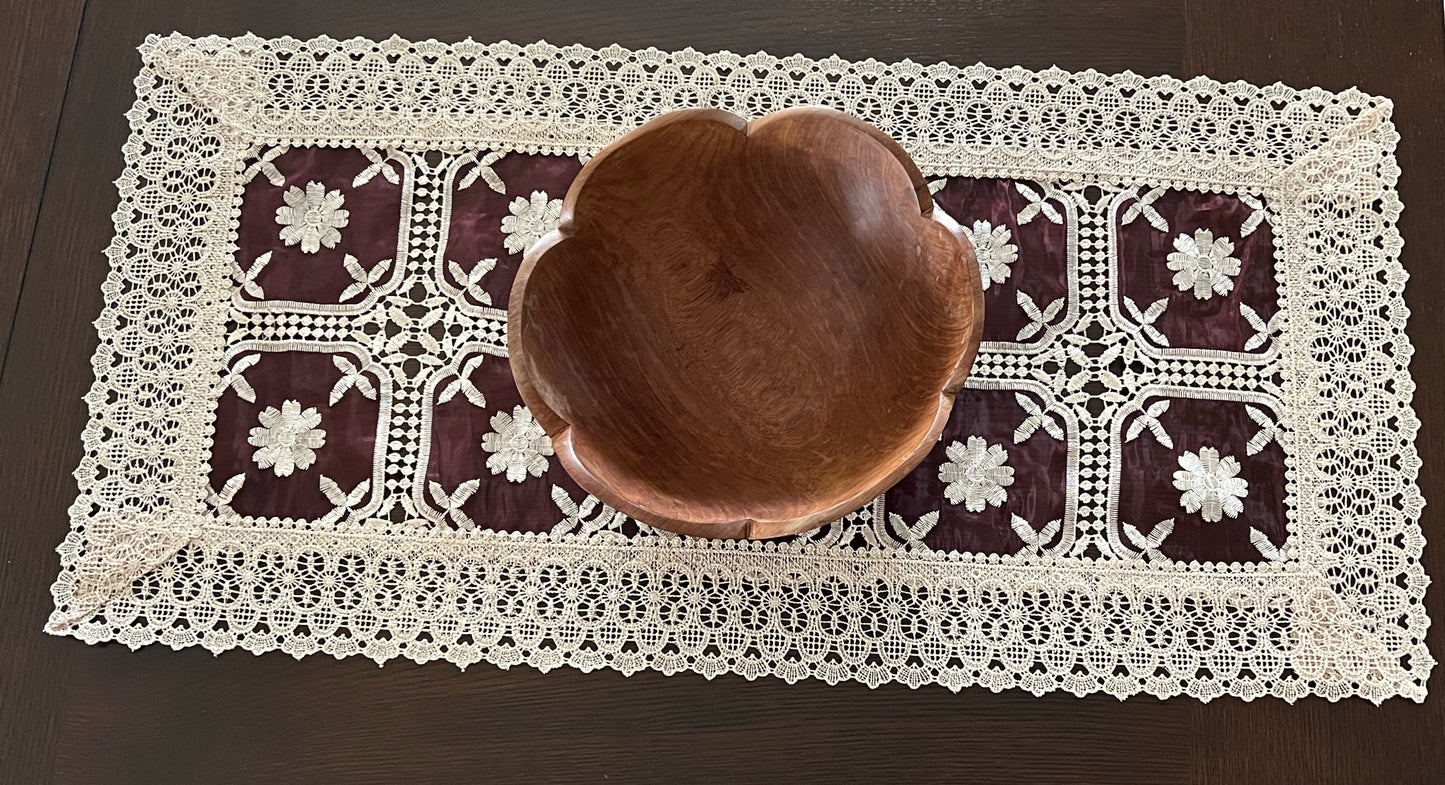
[
  {"x": 162, "y": 716},
  {"x": 36, "y": 46},
  {"x": 1393, "y": 49}
]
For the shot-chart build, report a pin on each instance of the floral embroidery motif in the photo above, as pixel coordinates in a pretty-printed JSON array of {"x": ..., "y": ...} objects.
[
  {"x": 312, "y": 217},
  {"x": 1211, "y": 485},
  {"x": 994, "y": 251},
  {"x": 530, "y": 220},
  {"x": 1203, "y": 263},
  {"x": 976, "y": 474},
  {"x": 518, "y": 445},
  {"x": 288, "y": 438}
]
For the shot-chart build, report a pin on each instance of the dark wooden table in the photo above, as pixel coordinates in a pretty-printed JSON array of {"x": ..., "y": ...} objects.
[{"x": 73, "y": 713}]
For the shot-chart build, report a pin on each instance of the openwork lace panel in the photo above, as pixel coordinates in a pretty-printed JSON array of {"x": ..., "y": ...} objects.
[{"x": 1184, "y": 462}]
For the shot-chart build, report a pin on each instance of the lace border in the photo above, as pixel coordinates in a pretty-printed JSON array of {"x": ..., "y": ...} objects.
[{"x": 145, "y": 563}]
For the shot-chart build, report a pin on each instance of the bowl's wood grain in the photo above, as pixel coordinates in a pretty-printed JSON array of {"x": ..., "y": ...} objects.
[{"x": 745, "y": 330}]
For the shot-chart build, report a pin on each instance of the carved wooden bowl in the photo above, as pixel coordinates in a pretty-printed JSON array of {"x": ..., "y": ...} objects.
[{"x": 745, "y": 329}]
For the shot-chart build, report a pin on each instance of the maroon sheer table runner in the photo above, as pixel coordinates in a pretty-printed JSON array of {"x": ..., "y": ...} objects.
[{"x": 1184, "y": 462}]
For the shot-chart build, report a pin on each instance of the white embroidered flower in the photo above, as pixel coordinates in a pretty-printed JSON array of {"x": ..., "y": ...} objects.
[
  {"x": 312, "y": 217},
  {"x": 518, "y": 445},
  {"x": 1203, "y": 263},
  {"x": 1210, "y": 484},
  {"x": 530, "y": 220},
  {"x": 288, "y": 438},
  {"x": 976, "y": 474},
  {"x": 994, "y": 251}
]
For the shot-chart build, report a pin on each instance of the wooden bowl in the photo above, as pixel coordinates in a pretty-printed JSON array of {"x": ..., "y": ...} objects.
[{"x": 745, "y": 329}]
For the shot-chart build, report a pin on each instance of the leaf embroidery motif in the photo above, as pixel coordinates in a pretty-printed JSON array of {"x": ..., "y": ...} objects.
[
  {"x": 1268, "y": 430},
  {"x": 236, "y": 381},
  {"x": 221, "y": 500},
  {"x": 1148, "y": 545},
  {"x": 471, "y": 282},
  {"x": 1263, "y": 330},
  {"x": 1144, "y": 206},
  {"x": 1258, "y": 216},
  {"x": 1149, "y": 418},
  {"x": 1035, "y": 417},
  {"x": 1037, "y": 204},
  {"x": 450, "y": 504},
  {"x": 1267, "y": 549},
  {"x": 246, "y": 279},
  {"x": 463, "y": 384},
  {"x": 364, "y": 280},
  {"x": 1039, "y": 320},
  {"x": 343, "y": 503},
  {"x": 578, "y": 517},
  {"x": 379, "y": 165},
  {"x": 488, "y": 175},
  {"x": 351, "y": 376},
  {"x": 1034, "y": 541},
  {"x": 264, "y": 165},
  {"x": 1145, "y": 319},
  {"x": 910, "y": 535}
]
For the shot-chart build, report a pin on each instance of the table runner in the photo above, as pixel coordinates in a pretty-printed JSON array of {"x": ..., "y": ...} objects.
[{"x": 1184, "y": 462}]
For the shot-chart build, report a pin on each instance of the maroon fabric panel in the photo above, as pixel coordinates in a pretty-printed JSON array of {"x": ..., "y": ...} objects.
[
  {"x": 457, "y": 456},
  {"x": 1041, "y": 270},
  {"x": 475, "y": 231},
  {"x": 1215, "y": 323},
  {"x": 350, "y": 426},
  {"x": 371, "y": 233},
  {"x": 1037, "y": 494},
  {"x": 1147, "y": 494}
]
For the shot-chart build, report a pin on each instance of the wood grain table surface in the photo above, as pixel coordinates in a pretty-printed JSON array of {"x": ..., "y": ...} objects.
[{"x": 72, "y": 713}]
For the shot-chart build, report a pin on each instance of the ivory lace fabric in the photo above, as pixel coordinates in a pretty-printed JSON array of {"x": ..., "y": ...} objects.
[{"x": 1184, "y": 462}]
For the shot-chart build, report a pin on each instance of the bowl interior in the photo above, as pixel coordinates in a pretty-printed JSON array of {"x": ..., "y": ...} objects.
[{"x": 746, "y": 325}]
